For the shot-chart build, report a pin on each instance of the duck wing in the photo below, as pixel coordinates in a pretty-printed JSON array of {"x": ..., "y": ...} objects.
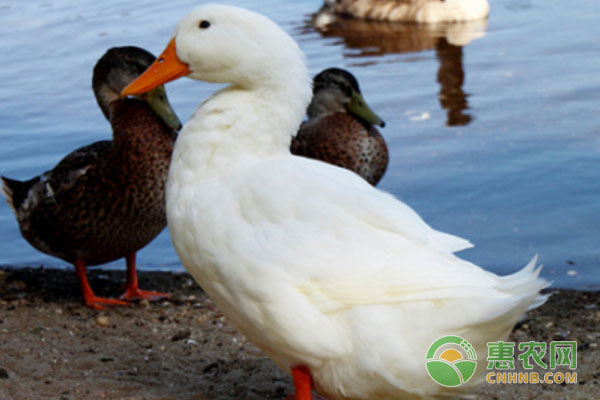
[
  {"x": 75, "y": 164},
  {"x": 23, "y": 196},
  {"x": 344, "y": 243},
  {"x": 339, "y": 192}
]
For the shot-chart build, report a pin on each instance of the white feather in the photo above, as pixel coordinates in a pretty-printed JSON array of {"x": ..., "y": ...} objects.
[{"x": 313, "y": 264}]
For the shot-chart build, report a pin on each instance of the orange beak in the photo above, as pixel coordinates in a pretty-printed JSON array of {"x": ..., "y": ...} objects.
[{"x": 166, "y": 68}]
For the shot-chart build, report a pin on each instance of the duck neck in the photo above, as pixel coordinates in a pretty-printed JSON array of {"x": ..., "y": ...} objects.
[
  {"x": 242, "y": 124},
  {"x": 327, "y": 102},
  {"x": 105, "y": 95},
  {"x": 137, "y": 130}
]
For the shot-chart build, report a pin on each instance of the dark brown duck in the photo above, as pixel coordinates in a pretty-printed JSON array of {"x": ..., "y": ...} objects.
[
  {"x": 106, "y": 200},
  {"x": 340, "y": 128}
]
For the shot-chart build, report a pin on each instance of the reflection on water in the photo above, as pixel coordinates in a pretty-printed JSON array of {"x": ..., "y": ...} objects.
[
  {"x": 377, "y": 38},
  {"x": 451, "y": 76},
  {"x": 381, "y": 37}
]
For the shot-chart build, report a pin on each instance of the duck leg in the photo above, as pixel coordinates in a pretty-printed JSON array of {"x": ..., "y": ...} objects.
[
  {"x": 132, "y": 291},
  {"x": 89, "y": 298},
  {"x": 302, "y": 384}
]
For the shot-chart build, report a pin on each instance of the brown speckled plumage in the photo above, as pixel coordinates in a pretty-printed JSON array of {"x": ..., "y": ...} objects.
[
  {"x": 343, "y": 140},
  {"x": 335, "y": 135},
  {"x": 105, "y": 200}
]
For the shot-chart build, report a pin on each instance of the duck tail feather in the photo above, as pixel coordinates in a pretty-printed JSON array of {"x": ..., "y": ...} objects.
[
  {"x": 17, "y": 191},
  {"x": 527, "y": 281},
  {"x": 8, "y": 192}
]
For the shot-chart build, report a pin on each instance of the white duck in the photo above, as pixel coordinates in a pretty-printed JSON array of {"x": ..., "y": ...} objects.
[{"x": 339, "y": 283}]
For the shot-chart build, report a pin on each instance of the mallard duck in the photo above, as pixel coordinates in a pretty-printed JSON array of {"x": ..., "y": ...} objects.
[
  {"x": 425, "y": 11},
  {"x": 340, "y": 128},
  {"x": 342, "y": 285},
  {"x": 105, "y": 200}
]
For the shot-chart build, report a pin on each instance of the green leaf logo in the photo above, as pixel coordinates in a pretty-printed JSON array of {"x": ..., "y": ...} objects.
[{"x": 451, "y": 361}]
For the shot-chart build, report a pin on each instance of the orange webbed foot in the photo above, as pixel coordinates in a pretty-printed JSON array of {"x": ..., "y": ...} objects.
[
  {"x": 97, "y": 302},
  {"x": 132, "y": 291},
  {"x": 135, "y": 293},
  {"x": 89, "y": 298}
]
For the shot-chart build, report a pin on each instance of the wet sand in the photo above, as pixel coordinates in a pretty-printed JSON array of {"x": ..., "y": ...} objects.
[{"x": 53, "y": 347}]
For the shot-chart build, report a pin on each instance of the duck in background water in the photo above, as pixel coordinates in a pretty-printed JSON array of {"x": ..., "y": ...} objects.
[
  {"x": 105, "y": 200},
  {"x": 422, "y": 11},
  {"x": 340, "y": 129}
]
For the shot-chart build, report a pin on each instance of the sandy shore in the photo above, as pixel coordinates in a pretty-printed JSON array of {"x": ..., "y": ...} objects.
[{"x": 53, "y": 347}]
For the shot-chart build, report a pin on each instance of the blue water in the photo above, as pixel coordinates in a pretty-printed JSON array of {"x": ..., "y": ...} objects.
[{"x": 497, "y": 141}]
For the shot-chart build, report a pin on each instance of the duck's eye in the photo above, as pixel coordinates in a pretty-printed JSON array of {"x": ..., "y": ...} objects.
[{"x": 204, "y": 24}]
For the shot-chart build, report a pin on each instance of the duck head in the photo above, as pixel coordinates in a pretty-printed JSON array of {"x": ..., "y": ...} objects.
[
  {"x": 337, "y": 90},
  {"x": 118, "y": 67},
  {"x": 225, "y": 44}
]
